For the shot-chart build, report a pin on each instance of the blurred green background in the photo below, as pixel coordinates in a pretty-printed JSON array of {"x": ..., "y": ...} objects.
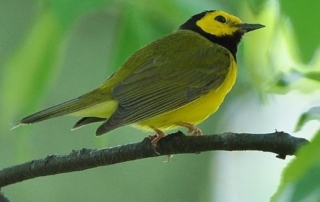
[{"x": 54, "y": 50}]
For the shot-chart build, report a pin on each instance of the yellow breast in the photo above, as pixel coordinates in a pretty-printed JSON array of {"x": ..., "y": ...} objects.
[{"x": 196, "y": 111}]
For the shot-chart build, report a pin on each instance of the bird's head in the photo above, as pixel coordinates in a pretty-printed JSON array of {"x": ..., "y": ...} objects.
[
  {"x": 220, "y": 27},
  {"x": 219, "y": 24}
]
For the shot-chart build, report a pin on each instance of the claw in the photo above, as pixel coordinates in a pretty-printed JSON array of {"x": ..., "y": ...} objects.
[
  {"x": 192, "y": 129},
  {"x": 155, "y": 139}
]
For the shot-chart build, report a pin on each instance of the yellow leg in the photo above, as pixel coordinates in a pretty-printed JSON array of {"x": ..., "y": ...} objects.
[{"x": 192, "y": 129}]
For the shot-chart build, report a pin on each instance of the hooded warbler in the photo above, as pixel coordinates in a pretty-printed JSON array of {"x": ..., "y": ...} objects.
[{"x": 177, "y": 80}]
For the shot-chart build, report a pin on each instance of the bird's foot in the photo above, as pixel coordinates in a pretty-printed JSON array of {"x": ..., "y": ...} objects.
[
  {"x": 155, "y": 139},
  {"x": 192, "y": 129}
]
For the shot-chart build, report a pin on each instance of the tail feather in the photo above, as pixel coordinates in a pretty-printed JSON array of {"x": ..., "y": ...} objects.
[
  {"x": 51, "y": 112},
  {"x": 87, "y": 120},
  {"x": 65, "y": 108}
]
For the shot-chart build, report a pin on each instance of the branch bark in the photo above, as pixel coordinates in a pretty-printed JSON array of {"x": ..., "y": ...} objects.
[{"x": 177, "y": 143}]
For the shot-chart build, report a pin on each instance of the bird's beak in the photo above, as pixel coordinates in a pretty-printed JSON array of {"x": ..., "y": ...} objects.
[{"x": 245, "y": 27}]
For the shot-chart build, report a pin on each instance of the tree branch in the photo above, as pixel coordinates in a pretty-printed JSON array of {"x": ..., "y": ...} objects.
[{"x": 177, "y": 143}]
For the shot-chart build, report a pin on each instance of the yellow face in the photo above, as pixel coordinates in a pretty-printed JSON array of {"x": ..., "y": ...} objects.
[{"x": 219, "y": 23}]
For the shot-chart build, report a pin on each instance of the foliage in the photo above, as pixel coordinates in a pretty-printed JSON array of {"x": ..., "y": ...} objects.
[{"x": 300, "y": 178}]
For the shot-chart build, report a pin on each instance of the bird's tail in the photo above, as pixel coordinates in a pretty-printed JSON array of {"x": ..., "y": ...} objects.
[{"x": 65, "y": 108}]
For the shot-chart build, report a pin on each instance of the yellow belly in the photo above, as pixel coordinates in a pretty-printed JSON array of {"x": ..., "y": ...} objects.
[{"x": 196, "y": 111}]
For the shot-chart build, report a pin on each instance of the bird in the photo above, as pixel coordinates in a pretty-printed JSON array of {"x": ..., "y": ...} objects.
[{"x": 176, "y": 81}]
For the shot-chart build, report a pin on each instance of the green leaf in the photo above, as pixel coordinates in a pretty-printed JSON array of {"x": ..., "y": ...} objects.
[
  {"x": 304, "y": 16},
  {"x": 314, "y": 75},
  {"x": 300, "y": 181},
  {"x": 311, "y": 114}
]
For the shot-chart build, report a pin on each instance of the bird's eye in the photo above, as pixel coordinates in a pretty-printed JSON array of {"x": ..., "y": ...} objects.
[{"x": 220, "y": 18}]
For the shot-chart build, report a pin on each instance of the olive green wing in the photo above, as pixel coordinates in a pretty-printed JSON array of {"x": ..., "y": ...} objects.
[{"x": 164, "y": 83}]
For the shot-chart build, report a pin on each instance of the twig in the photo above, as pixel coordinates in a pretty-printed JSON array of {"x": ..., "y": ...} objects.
[{"x": 278, "y": 142}]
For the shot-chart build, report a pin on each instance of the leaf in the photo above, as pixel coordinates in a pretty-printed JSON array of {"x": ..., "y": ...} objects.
[
  {"x": 311, "y": 114},
  {"x": 304, "y": 17},
  {"x": 314, "y": 75},
  {"x": 300, "y": 181}
]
